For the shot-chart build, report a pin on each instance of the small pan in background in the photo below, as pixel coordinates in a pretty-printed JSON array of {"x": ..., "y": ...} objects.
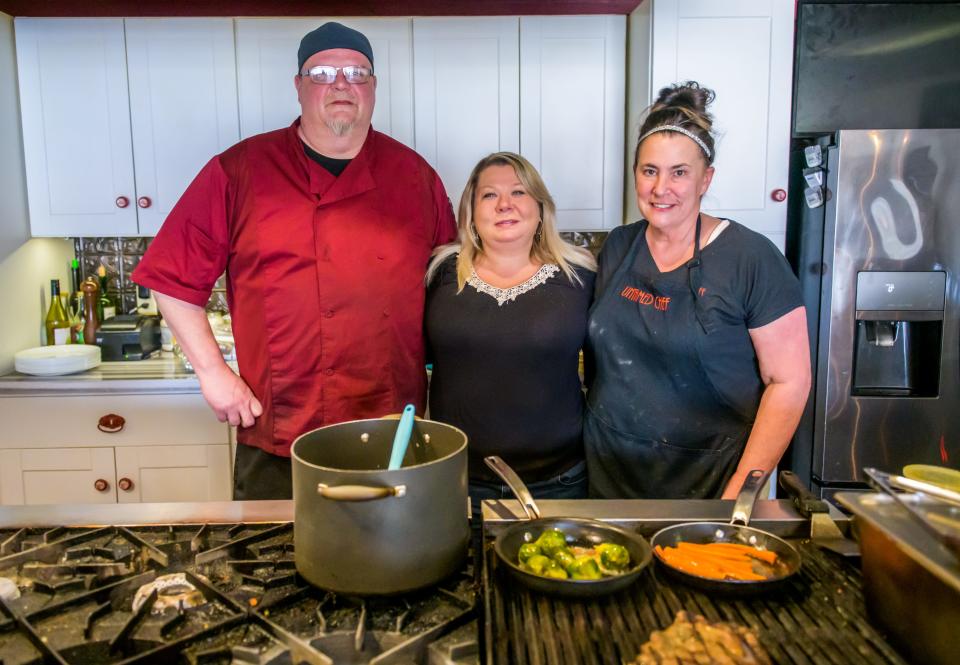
[
  {"x": 580, "y": 532},
  {"x": 737, "y": 532}
]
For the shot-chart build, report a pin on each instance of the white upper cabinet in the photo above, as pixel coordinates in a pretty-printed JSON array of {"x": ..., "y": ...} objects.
[
  {"x": 267, "y": 64},
  {"x": 467, "y": 91},
  {"x": 102, "y": 159},
  {"x": 572, "y": 73},
  {"x": 76, "y": 126},
  {"x": 183, "y": 106},
  {"x": 743, "y": 51}
]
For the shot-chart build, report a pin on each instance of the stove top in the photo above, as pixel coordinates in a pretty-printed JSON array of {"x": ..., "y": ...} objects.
[{"x": 214, "y": 593}]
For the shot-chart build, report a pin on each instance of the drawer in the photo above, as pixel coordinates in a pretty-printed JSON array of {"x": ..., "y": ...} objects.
[{"x": 58, "y": 421}]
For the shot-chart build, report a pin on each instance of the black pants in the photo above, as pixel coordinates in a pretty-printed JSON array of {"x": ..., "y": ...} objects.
[{"x": 259, "y": 475}]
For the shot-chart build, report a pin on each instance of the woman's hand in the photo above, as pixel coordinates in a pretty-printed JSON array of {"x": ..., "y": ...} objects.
[{"x": 783, "y": 352}]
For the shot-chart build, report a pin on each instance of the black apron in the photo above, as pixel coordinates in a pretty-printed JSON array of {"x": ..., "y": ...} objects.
[{"x": 655, "y": 426}]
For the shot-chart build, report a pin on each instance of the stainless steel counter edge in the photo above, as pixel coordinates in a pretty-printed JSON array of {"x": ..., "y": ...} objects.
[
  {"x": 163, "y": 375},
  {"x": 130, "y": 514},
  {"x": 648, "y": 516}
]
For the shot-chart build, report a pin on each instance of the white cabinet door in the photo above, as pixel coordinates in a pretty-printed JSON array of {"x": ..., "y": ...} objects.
[
  {"x": 183, "y": 106},
  {"x": 267, "y": 64},
  {"x": 57, "y": 475},
  {"x": 467, "y": 91},
  {"x": 743, "y": 50},
  {"x": 173, "y": 473},
  {"x": 76, "y": 126},
  {"x": 572, "y": 73}
]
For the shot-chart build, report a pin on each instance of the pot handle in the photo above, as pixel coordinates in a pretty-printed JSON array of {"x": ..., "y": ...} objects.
[
  {"x": 359, "y": 492},
  {"x": 743, "y": 508}
]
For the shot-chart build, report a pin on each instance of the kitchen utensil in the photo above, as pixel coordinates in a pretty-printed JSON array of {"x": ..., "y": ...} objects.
[
  {"x": 738, "y": 532},
  {"x": 578, "y": 531},
  {"x": 911, "y": 584},
  {"x": 935, "y": 475},
  {"x": 823, "y": 530},
  {"x": 361, "y": 529},
  {"x": 937, "y": 491},
  {"x": 402, "y": 438},
  {"x": 881, "y": 481},
  {"x": 57, "y": 360}
]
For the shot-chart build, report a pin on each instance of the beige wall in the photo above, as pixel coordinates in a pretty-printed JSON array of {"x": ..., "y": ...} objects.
[
  {"x": 639, "y": 43},
  {"x": 26, "y": 266}
]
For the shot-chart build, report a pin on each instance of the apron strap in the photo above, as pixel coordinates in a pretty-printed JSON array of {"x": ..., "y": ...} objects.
[{"x": 695, "y": 280}]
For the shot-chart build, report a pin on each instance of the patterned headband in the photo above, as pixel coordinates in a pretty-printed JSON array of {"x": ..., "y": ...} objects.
[{"x": 686, "y": 132}]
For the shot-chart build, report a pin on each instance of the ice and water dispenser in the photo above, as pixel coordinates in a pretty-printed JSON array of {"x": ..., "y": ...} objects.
[{"x": 899, "y": 328}]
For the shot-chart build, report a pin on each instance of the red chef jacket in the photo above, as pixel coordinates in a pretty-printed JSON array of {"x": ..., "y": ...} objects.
[{"x": 324, "y": 275}]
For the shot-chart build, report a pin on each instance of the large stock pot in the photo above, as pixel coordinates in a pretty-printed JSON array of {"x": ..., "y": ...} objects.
[{"x": 360, "y": 529}]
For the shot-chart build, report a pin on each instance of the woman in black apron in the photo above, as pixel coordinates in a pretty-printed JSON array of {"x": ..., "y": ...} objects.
[{"x": 697, "y": 336}]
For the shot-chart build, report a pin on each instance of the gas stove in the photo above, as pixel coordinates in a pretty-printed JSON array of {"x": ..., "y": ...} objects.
[{"x": 207, "y": 593}]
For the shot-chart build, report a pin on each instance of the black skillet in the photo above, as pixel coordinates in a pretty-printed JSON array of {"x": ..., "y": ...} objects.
[
  {"x": 736, "y": 531},
  {"x": 579, "y": 532}
]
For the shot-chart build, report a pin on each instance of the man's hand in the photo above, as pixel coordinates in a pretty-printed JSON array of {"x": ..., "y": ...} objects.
[{"x": 230, "y": 397}]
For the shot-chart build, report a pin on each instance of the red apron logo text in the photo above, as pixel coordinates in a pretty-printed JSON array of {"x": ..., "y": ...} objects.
[{"x": 634, "y": 294}]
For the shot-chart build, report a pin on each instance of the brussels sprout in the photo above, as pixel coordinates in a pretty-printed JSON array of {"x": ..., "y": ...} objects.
[
  {"x": 585, "y": 568},
  {"x": 527, "y": 550},
  {"x": 564, "y": 558},
  {"x": 554, "y": 571},
  {"x": 613, "y": 556},
  {"x": 537, "y": 563},
  {"x": 551, "y": 540}
]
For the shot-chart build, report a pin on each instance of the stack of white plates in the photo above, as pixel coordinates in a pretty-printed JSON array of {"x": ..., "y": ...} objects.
[{"x": 57, "y": 360}]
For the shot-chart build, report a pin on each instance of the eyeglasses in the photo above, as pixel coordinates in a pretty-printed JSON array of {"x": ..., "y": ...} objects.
[{"x": 327, "y": 74}]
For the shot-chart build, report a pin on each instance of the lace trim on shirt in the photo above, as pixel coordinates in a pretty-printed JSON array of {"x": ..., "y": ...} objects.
[{"x": 547, "y": 270}]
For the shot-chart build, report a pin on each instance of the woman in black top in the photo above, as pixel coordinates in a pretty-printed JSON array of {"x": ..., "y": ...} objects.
[
  {"x": 698, "y": 331},
  {"x": 506, "y": 317}
]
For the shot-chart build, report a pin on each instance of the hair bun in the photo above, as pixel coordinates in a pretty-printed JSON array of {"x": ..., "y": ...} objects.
[{"x": 689, "y": 95}]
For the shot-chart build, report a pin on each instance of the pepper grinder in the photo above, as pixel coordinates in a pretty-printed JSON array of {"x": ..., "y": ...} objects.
[{"x": 91, "y": 291}]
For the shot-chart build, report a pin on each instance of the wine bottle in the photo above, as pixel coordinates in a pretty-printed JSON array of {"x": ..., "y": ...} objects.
[
  {"x": 105, "y": 306},
  {"x": 75, "y": 302},
  {"x": 59, "y": 330}
]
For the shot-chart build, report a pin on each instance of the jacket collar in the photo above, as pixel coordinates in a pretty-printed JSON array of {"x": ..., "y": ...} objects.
[{"x": 356, "y": 179}]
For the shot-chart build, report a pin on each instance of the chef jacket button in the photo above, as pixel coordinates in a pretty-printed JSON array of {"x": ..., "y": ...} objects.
[
  {"x": 328, "y": 371},
  {"x": 328, "y": 313},
  {"x": 386, "y": 312}
]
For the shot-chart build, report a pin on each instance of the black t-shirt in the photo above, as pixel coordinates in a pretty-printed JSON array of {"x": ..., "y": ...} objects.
[
  {"x": 507, "y": 374},
  {"x": 334, "y": 166},
  {"x": 747, "y": 284}
]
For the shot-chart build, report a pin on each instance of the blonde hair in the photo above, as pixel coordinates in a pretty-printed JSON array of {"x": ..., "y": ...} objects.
[{"x": 548, "y": 246}]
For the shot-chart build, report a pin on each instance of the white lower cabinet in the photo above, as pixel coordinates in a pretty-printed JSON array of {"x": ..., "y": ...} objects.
[{"x": 112, "y": 448}]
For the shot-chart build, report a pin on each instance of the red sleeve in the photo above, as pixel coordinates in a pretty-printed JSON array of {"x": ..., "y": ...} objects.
[
  {"x": 190, "y": 251},
  {"x": 446, "y": 221}
]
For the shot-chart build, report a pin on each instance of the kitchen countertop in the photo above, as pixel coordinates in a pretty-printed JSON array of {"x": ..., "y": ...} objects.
[{"x": 164, "y": 374}]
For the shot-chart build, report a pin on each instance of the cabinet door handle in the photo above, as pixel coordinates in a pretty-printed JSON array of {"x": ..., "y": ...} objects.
[
  {"x": 125, "y": 484},
  {"x": 144, "y": 202},
  {"x": 101, "y": 485},
  {"x": 122, "y": 201},
  {"x": 779, "y": 195},
  {"x": 111, "y": 423}
]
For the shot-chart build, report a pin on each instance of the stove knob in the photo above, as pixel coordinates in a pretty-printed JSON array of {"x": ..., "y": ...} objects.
[
  {"x": 125, "y": 484},
  {"x": 101, "y": 485},
  {"x": 111, "y": 423}
]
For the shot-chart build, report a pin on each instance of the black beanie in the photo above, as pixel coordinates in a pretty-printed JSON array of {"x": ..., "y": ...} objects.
[{"x": 332, "y": 35}]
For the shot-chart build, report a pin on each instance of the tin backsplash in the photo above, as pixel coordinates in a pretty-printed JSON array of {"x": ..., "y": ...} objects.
[{"x": 121, "y": 255}]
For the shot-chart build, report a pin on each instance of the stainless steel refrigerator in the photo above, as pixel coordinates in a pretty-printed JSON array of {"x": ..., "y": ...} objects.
[{"x": 879, "y": 260}]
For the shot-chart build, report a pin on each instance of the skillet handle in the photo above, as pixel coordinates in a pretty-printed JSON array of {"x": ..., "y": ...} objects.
[
  {"x": 510, "y": 477},
  {"x": 803, "y": 499},
  {"x": 743, "y": 508},
  {"x": 359, "y": 492}
]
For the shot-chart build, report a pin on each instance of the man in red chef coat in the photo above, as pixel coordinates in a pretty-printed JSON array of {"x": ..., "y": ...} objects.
[{"x": 324, "y": 229}]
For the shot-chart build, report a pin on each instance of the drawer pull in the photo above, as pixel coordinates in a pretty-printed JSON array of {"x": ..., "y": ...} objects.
[
  {"x": 101, "y": 485},
  {"x": 111, "y": 423},
  {"x": 125, "y": 484}
]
